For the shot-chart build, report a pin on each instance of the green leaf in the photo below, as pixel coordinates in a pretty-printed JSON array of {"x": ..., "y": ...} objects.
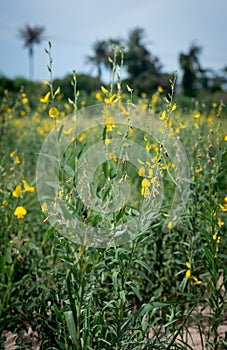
[
  {"x": 143, "y": 264},
  {"x": 60, "y": 132},
  {"x": 71, "y": 325},
  {"x": 135, "y": 290},
  {"x": 105, "y": 168},
  {"x": 48, "y": 235},
  {"x": 115, "y": 281},
  {"x": 69, "y": 170}
]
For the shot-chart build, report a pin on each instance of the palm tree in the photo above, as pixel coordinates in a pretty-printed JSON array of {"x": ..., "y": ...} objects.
[{"x": 31, "y": 36}]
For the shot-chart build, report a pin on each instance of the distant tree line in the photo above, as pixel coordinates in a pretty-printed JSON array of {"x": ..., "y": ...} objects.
[{"x": 143, "y": 70}]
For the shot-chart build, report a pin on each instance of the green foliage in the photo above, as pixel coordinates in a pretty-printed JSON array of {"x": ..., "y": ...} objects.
[{"x": 143, "y": 295}]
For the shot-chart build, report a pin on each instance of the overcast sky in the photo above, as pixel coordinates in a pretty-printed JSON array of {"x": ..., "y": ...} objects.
[{"x": 73, "y": 26}]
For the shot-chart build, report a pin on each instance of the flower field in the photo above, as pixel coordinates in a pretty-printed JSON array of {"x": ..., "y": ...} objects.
[{"x": 152, "y": 291}]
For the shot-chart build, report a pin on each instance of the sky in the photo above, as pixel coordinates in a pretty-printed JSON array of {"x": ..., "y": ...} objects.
[{"x": 73, "y": 26}]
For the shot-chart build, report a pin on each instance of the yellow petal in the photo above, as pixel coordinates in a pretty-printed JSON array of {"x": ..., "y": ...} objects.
[
  {"x": 45, "y": 99},
  {"x": 17, "y": 192},
  {"x": 170, "y": 225},
  {"x": 174, "y": 107},
  {"x": 53, "y": 112},
  {"x": 188, "y": 264},
  {"x": 163, "y": 115},
  {"x": 196, "y": 116},
  {"x": 196, "y": 280},
  {"x": 27, "y": 187},
  {"x": 188, "y": 274},
  {"x": 145, "y": 183}
]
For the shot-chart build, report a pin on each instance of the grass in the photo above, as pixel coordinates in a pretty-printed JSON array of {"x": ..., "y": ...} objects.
[{"x": 57, "y": 293}]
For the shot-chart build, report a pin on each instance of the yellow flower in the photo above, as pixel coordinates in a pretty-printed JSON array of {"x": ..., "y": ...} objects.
[
  {"x": 110, "y": 99},
  {"x": 141, "y": 171},
  {"x": 82, "y": 137},
  {"x": 20, "y": 212},
  {"x": 188, "y": 274},
  {"x": 188, "y": 265},
  {"x": 24, "y": 100},
  {"x": 145, "y": 191},
  {"x": 196, "y": 280},
  {"x": 145, "y": 187},
  {"x": 17, "y": 160},
  {"x": 223, "y": 207},
  {"x": 53, "y": 112},
  {"x": 196, "y": 116},
  {"x": 199, "y": 169},
  {"x": 146, "y": 183},
  {"x": 168, "y": 123},
  {"x": 41, "y": 131},
  {"x": 150, "y": 173},
  {"x": 44, "y": 206},
  {"x": 182, "y": 126},
  {"x": 170, "y": 225},
  {"x": 112, "y": 157},
  {"x": 170, "y": 165},
  {"x": 45, "y": 99},
  {"x": 148, "y": 146},
  {"x": 107, "y": 142},
  {"x": 17, "y": 192},
  {"x": 27, "y": 187},
  {"x": 154, "y": 159},
  {"x": 68, "y": 132},
  {"x": 98, "y": 97},
  {"x": 13, "y": 153},
  {"x": 216, "y": 238},
  {"x": 160, "y": 89},
  {"x": 220, "y": 222},
  {"x": 163, "y": 115},
  {"x": 225, "y": 138},
  {"x": 174, "y": 107},
  {"x": 110, "y": 124},
  {"x": 67, "y": 106}
]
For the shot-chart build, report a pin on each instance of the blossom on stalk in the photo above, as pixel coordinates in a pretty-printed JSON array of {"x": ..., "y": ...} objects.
[
  {"x": 53, "y": 112},
  {"x": 17, "y": 192},
  {"x": 188, "y": 272},
  {"x": 45, "y": 99},
  {"x": 20, "y": 212},
  {"x": 27, "y": 187}
]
